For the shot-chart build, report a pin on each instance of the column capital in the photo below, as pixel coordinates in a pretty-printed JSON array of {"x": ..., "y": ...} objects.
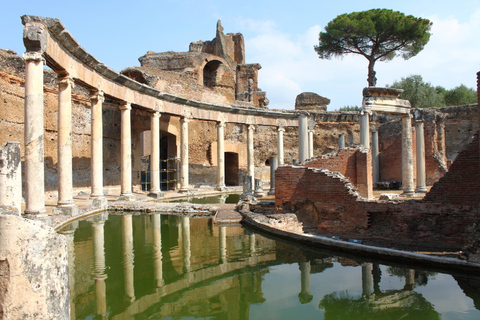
[
  {"x": 156, "y": 114},
  {"x": 185, "y": 119},
  {"x": 33, "y": 56},
  {"x": 125, "y": 106},
  {"x": 221, "y": 124},
  {"x": 65, "y": 80},
  {"x": 251, "y": 127},
  {"x": 97, "y": 96},
  {"x": 281, "y": 129}
]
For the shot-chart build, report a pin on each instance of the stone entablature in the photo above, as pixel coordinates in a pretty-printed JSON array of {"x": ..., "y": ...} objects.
[{"x": 311, "y": 102}]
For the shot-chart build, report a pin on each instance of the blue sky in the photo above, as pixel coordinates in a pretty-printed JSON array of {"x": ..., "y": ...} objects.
[{"x": 278, "y": 35}]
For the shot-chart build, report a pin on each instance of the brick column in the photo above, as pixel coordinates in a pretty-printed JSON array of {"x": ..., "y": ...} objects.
[
  {"x": 407, "y": 156},
  {"x": 126, "y": 154},
  {"x": 155, "y": 156},
  {"x": 184, "y": 176},
  {"x": 64, "y": 148},
  {"x": 221, "y": 156},
  {"x": 34, "y": 144}
]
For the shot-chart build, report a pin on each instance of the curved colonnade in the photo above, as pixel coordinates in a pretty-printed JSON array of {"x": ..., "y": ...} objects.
[{"x": 48, "y": 42}]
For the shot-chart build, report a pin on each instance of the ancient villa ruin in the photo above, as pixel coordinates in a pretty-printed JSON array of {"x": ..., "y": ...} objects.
[{"x": 183, "y": 120}]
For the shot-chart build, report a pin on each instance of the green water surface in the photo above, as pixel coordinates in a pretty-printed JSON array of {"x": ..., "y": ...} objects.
[{"x": 169, "y": 267}]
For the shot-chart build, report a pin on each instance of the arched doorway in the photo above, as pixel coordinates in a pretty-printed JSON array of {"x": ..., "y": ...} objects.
[
  {"x": 231, "y": 169},
  {"x": 210, "y": 73}
]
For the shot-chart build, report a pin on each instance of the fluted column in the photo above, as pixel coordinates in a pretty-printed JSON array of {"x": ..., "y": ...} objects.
[
  {"x": 34, "y": 128},
  {"x": 420, "y": 153},
  {"x": 184, "y": 174},
  {"x": 126, "y": 154},
  {"x": 128, "y": 256},
  {"x": 221, "y": 156},
  {"x": 375, "y": 157},
  {"x": 97, "y": 197},
  {"x": 365, "y": 130},
  {"x": 310, "y": 144},
  {"x": 407, "y": 156},
  {"x": 251, "y": 154},
  {"x": 64, "y": 148},
  {"x": 280, "y": 152},
  {"x": 155, "y": 191},
  {"x": 302, "y": 137}
]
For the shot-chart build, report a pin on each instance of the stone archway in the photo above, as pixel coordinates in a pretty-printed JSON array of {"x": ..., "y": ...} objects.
[
  {"x": 210, "y": 73},
  {"x": 231, "y": 169}
]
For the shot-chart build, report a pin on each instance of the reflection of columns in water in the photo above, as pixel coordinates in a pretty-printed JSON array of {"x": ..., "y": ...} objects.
[
  {"x": 127, "y": 238},
  {"x": 366, "y": 280},
  {"x": 187, "y": 254},
  {"x": 305, "y": 296},
  {"x": 409, "y": 279},
  {"x": 99, "y": 263},
  {"x": 157, "y": 248},
  {"x": 70, "y": 236},
  {"x": 251, "y": 241},
  {"x": 223, "y": 243},
  {"x": 223, "y": 198}
]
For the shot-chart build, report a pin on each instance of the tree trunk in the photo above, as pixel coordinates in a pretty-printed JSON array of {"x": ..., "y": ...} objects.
[{"x": 372, "y": 80}]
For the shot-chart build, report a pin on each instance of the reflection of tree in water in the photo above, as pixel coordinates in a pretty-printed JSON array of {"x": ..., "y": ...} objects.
[
  {"x": 340, "y": 305},
  {"x": 471, "y": 288}
]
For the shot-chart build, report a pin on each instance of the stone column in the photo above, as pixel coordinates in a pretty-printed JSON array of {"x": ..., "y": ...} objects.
[
  {"x": 302, "y": 137},
  {"x": 157, "y": 249},
  {"x": 281, "y": 130},
  {"x": 221, "y": 156},
  {"x": 155, "y": 191},
  {"x": 97, "y": 198},
  {"x": 98, "y": 240},
  {"x": 126, "y": 154},
  {"x": 184, "y": 179},
  {"x": 64, "y": 148},
  {"x": 305, "y": 296},
  {"x": 251, "y": 154},
  {"x": 364, "y": 130},
  {"x": 407, "y": 156},
  {"x": 310, "y": 144},
  {"x": 341, "y": 141},
  {"x": 420, "y": 153},
  {"x": 375, "y": 157},
  {"x": 273, "y": 167},
  {"x": 128, "y": 256},
  {"x": 34, "y": 145}
]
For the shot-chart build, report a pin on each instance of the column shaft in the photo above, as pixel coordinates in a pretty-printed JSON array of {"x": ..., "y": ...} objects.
[
  {"x": 420, "y": 153},
  {"x": 126, "y": 153},
  {"x": 407, "y": 156},
  {"x": 221, "y": 156},
  {"x": 341, "y": 141},
  {"x": 310, "y": 144},
  {"x": 365, "y": 130},
  {"x": 64, "y": 143},
  {"x": 34, "y": 144},
  {"x": 155, "y": 156},
  {"x": 280, "y": 146},
  {"x": 375, "y": 157},
  {"x": 302, "y": 136},
  {"x": 251, "y": 154},
  {"x": 184, "y": 170}
]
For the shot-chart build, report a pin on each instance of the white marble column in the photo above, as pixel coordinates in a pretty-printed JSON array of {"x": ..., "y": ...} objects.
[
  {"x": 221, "y": 156},
  {"x": 280, "y": 152},
  {"x": 34, "y": 144},
  {"x": 302, "y": 137},
  {"x": 155, "y": 191},
  {"x": 184, "y": 161},
  {"x": 375, "y": 157},
  {"x": 420, "y": 153},
  {"x": 365, "y": 130},
  {"x": 128, "y": 256},
  {"x": 126, "y": 154},
  {"x": 310, "y": 144},
  {"x": 97, "y": 197},
  {"x": 251, "y": 154},
  {"x": 65, "y": 203},
  {"x": 407, "y": 156}
]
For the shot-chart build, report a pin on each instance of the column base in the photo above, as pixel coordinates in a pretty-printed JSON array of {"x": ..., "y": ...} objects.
[
  {"x": 221, "y": 188},
  {"x": 126, "y": 197},
  {"x": 258, "y": 194},
  {"x": 421, "y": 190},
  {"x": 39, "y": 216},
  {"x": 271, "y": 192},
  {"x": 155, "y": 194},
  {"x": 98, "y": 202},
  {"x": 71, "y": 210},
  {"x": 184, "y": 190},
  {"x": 408, "y": 193}
]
